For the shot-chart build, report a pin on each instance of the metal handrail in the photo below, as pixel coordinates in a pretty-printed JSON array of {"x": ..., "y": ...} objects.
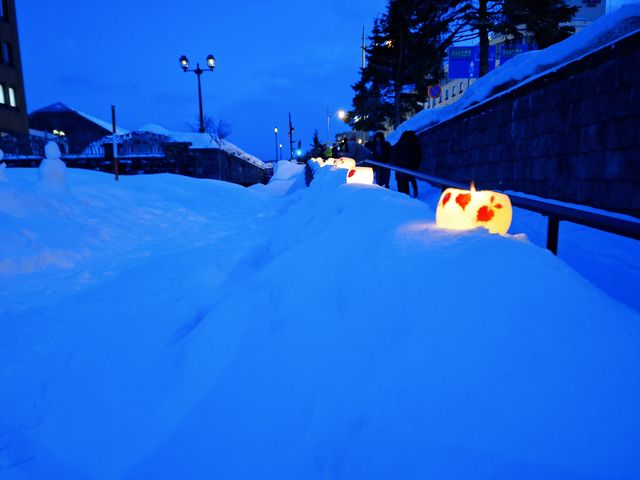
[{"x": 555, "y": 212}]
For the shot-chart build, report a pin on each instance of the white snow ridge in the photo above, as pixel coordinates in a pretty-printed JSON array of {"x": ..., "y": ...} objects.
[{"x": 170, "y": 327}]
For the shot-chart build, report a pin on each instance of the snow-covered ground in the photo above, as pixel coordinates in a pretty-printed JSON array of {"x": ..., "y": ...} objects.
[{"x": 169, "y": 327}]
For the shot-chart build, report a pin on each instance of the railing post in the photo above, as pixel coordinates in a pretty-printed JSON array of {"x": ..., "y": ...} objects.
[{"x": 553, "y": 228}]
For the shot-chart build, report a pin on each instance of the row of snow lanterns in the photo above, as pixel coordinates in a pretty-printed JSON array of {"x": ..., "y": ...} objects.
[
  {"x": 457, "y": 209},
  {"x": 359, "y": 175}
]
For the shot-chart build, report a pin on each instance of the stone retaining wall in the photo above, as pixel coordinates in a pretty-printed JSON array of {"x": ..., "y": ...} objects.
[{"x": 571, "y": 135}]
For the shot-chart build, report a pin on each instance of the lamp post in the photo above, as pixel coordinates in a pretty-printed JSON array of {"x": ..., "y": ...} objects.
[
  {"x": 211, "y": 63},
  {"x": 275, "y": 132},
  {"x": 341, "y": 115},
  {"x": 280, "y": 152}
]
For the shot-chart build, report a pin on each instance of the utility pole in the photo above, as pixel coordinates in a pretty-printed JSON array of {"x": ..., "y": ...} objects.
[
  {"x": 328, "y": 128},
  {"x": 275, "y": 131},
  {"x": 291, "y": 129},
  {"x": 115, "y": 145}
]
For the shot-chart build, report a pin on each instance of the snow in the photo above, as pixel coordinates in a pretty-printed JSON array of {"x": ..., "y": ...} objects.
[
  {"x": 530, "y": 65},
  {"x": 170, "y": 327}
]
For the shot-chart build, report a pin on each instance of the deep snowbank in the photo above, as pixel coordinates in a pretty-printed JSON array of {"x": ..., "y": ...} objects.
[{"x": 332, "y": 332}]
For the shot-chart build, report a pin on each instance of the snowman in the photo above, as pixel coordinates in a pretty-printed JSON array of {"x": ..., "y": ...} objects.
[{"x": 52, "y": 170}]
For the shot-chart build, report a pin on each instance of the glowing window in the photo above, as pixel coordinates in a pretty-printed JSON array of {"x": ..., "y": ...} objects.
[{"x": 12, "y": 97}]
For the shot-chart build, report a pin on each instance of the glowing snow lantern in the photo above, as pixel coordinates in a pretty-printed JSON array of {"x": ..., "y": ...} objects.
[
  {"x": 330, "y": 161},
  {"x": 469, "y": 209},
  {"x": 361, "y": 175},
  {"x": 345, "y": 162}
]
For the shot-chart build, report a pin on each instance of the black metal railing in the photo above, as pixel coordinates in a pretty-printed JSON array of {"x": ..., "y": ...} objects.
[{"x": 554, "y": 211}]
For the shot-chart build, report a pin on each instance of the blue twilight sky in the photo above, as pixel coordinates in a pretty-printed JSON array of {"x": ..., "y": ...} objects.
[{"x": 272, "y": 57}]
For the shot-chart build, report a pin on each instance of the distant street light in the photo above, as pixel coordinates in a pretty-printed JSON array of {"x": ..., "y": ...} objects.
[
  {"x": 341, "y": 115},
  {"x": 280, "y": 152},
  {"x": 275, "y": 132},
  {"x": 211, "y": 63}
]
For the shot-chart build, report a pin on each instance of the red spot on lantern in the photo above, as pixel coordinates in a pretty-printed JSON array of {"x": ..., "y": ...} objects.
[
  {"x": 498, "y": 206},
  {"x": 463, "y": 199},
  {"x": 351, "y": 173},
  {"x": 485, "y": 213},
  {"x": 446, "y": 198}
]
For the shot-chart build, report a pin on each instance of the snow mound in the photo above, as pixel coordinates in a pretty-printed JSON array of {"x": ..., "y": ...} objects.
[
  {"x": 528, "y": 65},
  {"x": 332, "y": 332}
]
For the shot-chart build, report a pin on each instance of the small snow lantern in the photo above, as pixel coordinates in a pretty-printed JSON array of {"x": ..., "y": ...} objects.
[
  {"x": 469, "y": 209},
  {"x": 345, "y": 162},
  {"x": 361, "y": 175}
]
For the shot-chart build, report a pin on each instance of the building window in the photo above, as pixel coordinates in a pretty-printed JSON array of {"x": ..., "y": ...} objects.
[
  {"x": 3, "y": 9},
  {"x": 7, "y": 53},
  {"x": 3, "y": 100},
  {"x": 12, "y": 97}
]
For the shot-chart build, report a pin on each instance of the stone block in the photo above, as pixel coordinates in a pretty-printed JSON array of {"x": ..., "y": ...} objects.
[
  {"x": 580, "y": 167},
  {"x": 593, "y": 137},
  {"x": 631, "y": 168},
  {"x": 553, "y": 121},
  {"x": 607, "y": 77},
  {"x": 521, "y": 108},
  {"x": 538, "y": 102},
  {"x": 633, "y": 105},
  {"x": 518, "y": 169},
  {"x": 536, "y": 169},
  {"x": 613, "y": 165},
  {"x": 539, "y": 146},
  {"x": 635, "y": 202}
]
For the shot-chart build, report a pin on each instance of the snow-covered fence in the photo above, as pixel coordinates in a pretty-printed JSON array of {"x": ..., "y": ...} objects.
[{"x": 555, "y": 211}]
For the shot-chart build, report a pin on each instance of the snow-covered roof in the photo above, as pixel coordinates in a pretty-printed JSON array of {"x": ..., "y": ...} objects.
[
  {"x": 61, "y": 107},
  {"x": 203, "y": 140},
  {"x": 529, "y": 65}
]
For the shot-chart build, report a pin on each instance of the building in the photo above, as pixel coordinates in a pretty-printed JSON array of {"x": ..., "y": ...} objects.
[
  {"x": 76, "y": 129},
  {"x": 13, "y": 104}
]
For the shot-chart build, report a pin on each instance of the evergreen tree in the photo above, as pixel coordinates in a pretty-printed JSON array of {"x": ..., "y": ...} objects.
[
  {"x": 541, "y": 21},
  {"x": 405, "y": 56},
  {"x": 317, "y": 147}
]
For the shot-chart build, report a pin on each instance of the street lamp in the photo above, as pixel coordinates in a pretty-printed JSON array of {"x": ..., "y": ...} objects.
[
  {"x": 280, "y": 152},
  {"x": 211, "y": 64},
  {"x": 341, "y": 115},
  {"x": 275, "y": 132}
]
